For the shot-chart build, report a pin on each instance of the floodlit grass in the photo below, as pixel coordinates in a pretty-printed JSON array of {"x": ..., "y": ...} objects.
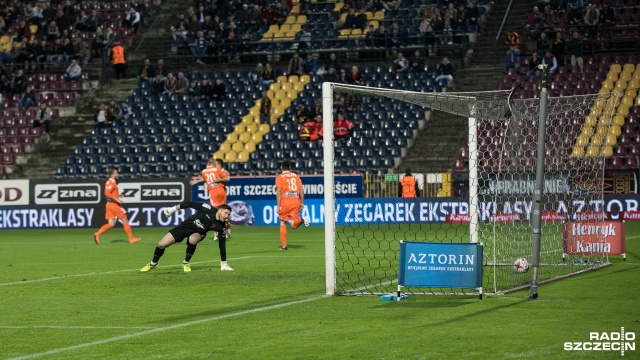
[{"x": 62, "y": 297}]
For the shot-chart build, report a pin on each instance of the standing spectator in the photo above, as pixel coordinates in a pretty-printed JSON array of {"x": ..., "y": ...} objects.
[
  {"x": 289, "y": 201},
  {"x": 417, "y": 62},
  {"x": 219, "y": 91},
  {"x": 309, "y": 65},
  {"x": 446, "y": 71},
  {"x": 575, "y": 16},
  {"x": 141, "y": 8},
  {"x": 18, "y": 83},
  {"x": 146, "y": 73},
  {"x": 447, "y": 30},
  {"x": 268, "y": 75},
  {"x": 551, "y": 62},
  {"x": 28, "y": 98},
  {"x": 40, "y": 54},
  {"x": 199, "y": 47},
  {"x": 342, "y": 127},
  {"x": 80, "y": 50},
  {"x": 132, "y": 20},
  {"x": 460, "y": 18},
  {"x": 74, "y": 71},
  {"x": 119, "y": 60},
  {"x": 576, "y": 49},
  {"x": 98, "y": 43},
  {"x": 295, "y": 65},
  {"x": 542, "y": 45},
  {"x": 558, "y": 47},
  {"x": 400, "y": 64},
  {"x": 94, "y": 21},
  {"x": 43, "y": 118},
  {"x": 309, "y": 130},
  {"x": 591, "y": 19},
  {"x": 473, "y": 17},
  {"x": 512, "y": 59},
  {"x": 607, "y": 22},
  {"x": 408, "y": 186},
  {"x": 430, "y": 38},
  {"x": 265, "y": 109},
  {"x": 397, "y": 36}
]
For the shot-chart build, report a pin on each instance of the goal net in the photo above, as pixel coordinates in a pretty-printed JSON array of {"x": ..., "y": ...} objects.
[{"x": 499, "y": 161}]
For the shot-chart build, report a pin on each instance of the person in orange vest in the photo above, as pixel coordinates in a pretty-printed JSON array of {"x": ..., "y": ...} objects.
[
  {"x": 408, "y": 186},
  {"x": 119, "y": 60},
  {"x": 342, "y": 127},
  {"x": 309, "y": 130}
]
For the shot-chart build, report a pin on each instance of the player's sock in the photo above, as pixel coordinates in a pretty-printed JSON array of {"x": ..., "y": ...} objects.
[
  {"x": 103, "y": 229},
  {"x": 157, "y": 254},
  {"x": 127, "y": 230},
  {"x": 283, "y": 235},
  {"x": 296, "y": 223},
  {"x": 191, "y": 248}
]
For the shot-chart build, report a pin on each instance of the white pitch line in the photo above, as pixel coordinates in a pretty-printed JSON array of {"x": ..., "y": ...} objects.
[
  {"x": 166, "y": 328},
  {"x": 130, "y": 270},
  {"x": 75, "y": 327}
]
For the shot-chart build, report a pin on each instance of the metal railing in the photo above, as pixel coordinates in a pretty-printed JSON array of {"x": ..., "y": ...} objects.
[{"x": 504, "y": 21}]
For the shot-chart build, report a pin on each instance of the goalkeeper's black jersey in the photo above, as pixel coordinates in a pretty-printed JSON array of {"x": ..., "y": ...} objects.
[{"x": 204, "y": 219}]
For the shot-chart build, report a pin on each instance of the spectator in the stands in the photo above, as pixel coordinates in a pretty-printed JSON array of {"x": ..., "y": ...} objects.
[
  {"x": 73, "y": 72},
  {"x": 199, "y": 47},
  {"x": 280, "y": 13},
  {"x": 119, "y": 60},
  {"x": 333, "y": 62},
  {"x": 430, "y": 39},
  {"x": 98, "y": 43},
  {"x": 219, "y": 91},
  {"x": 369, "y": 36},
  {"x": 400, "y": 64},
  {"x": 63, "y": 20},
  {"x": 18, "y": 83},
  {"x": 447, "y": 30},
  {"x": 607, "y": 23},
  {"x": 380, "y": 37},
  {"x": 309, "y": 65},
  {"x": 201, "y": 14},
  {"x": 446, "y": 71},
  {"x": 124, "y": 111},
  {"x": 416, "y": 64},
  {"x": 338, "y": 103},
  {"x": 355, "y": 78},
  {"x": 40, "y": 54},
  {"x": 534, "y": 20},
  {"x": 169, "y": 84},
  {"x": 473, "y": 17},
  {"x": 43, "y": 118},
  {"x": 302, "y": 114},
  {"x": 179, "y": 30},
  {"x": 53, "y": 32},
  {"x": 361, "y": 20},
  {"x": 350, "y": 102},
  {"x": 576, "y": 49},
  {"x": 161, "y": 68},
  {"x": 158, "y": 85},
  {"x": 551, "y": 62},
  {"x": 391, "y": 4},
  {"x": 331, "y": 76},
  {"x": 243, "y": 16},
  {"x": 575, "y": 17},
  {"x": 342, "y": 127},
  {"x": 268, "y": 75},
  {"x": 349, "y": 20},
  {"x": 94, "y": 21},
  {"x": 542, "y": 45},
  {"x": 182, "y": 84},
  {"x": 265, "y": 108},
  {"x": 343, "y": 76},
  {"x": 82, "y": 24},
  {"x": 102, "y": 118},
  {"x": 28, "y": 98},
  {"x": 397, "y": 36},
  {"x": 69, "y": 50},
  {"x": 295, "y": 65},
  {"x": 132, "y": 20},
  {"x": 512, "y": 59},
  {"x": 558, "y": 47},
  {"x": 534, "y": 61},
  {"x": 309, "y": 130},
  {"x": 80, "y": 50},
  {"x": 548, "y": 18},
  {"x": 316, "y": 109},
  {"x": 460, "y": 18},
  {"x": 591, "y": 20},
  {"x": 193, "y": 91},
  {"x": 304, "y": 39},
  {"x": 206, "y": 90},
  {"x": 146, "y": 73}
]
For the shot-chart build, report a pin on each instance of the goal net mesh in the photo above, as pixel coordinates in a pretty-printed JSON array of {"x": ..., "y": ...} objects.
[{"x": 501, "y": 167}]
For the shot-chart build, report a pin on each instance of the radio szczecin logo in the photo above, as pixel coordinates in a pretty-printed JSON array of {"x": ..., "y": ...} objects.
[
  {"x": 47, "y": 194},
  {"x": 606, "y": 341}
]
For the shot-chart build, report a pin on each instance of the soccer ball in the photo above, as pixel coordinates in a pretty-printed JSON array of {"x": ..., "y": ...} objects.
[{"x": 521, "y": 265}]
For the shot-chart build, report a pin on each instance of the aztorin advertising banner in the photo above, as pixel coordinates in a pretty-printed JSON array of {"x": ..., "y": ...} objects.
[{"x": 424, "y": 264}]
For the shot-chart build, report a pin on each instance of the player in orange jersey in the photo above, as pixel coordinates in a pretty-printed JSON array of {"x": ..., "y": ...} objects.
[
  {"x": 290, "y": 201},
  {"x": 216, "y": 179},
  {"x": 114, "y": 209}
]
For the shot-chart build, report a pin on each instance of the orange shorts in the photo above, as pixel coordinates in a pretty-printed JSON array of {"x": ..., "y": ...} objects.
[
  {"x": 289, "y": 210},
  {"x": 114, "y": 211},
  {"x": 217, "y": 197}
]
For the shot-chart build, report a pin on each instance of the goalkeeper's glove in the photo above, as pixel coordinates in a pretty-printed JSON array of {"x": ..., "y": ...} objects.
[{"x": 169, "y": 210}]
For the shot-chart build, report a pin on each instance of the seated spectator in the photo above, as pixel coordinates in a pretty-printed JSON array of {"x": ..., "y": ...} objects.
[
  {"x": 193, "y": 91},
  {"x": 114, "y": 110},
  {"x": 80, "y": 50},
  {"x": 146, "y": 73},
  {"x": 512, "y": 59},
  {"x": 332, "y": 63},
  {"x": 473, "y": 17},
  {"x": 43, "y": 118},
  {"x": 132, "y": 20},
  {"x": 268, "y": 76},
  {"x": 206, "y": 90},
  {"x": 18, "y": 83},
  {"x": 332, "y": 76},
  {"x": 550, "y": 61},
  {"x": 446, "y": 71},
  {"x": 350, "y": 102},
  {"x": 73, "y": 72},
  {"x": 158, "y": 85},
  {"x": 295, "y": 65},
  {"x": 103, "y": 118},
  {"x": 361, "y": 20},
  {"x": 576, "y": 49},
  {"x": 199, "y": 47},
  {"x": 417, "y": 62},
  {"x": 169, "y": 85},
  {"x": 124, "y": 111},
  {"x": 400, "y": 64},
  {"x": 182, "y": 84},
  {"x": 179, "y": 30},
  {"x": 355, "y": 78},
  {"x": 534, "y": 61},
  {"x": 309, "y": 65},
  {"x": 219, "y": 91},
  {"x": 309, "y": 130},
  {"x": 28, "y": 98},
  {"x": 342, "y": 127},
  {"x": 255, "y": 76},
  {"x": 265, "y": 109},
  {"x": 302, "y": 114}
]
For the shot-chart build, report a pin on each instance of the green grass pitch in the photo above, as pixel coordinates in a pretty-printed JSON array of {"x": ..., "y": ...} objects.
[{"x": 63, "y": 297}]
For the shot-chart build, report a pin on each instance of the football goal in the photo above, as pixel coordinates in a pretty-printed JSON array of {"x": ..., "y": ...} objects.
[{"x": 499, "y": 209}]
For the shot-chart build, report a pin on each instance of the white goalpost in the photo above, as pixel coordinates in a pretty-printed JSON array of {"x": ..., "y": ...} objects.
[{"x": 362, "y": 256}]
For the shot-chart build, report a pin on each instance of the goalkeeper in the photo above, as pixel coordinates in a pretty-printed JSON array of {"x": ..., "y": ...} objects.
[{"x": 195, "y": 228}]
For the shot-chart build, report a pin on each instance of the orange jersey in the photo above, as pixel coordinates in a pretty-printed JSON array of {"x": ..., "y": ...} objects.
[
  {"x": 211, "y": 173},
  {"x": 111, "y": 190},
  {"x": 113, "y": 209},
  {"x": 289, "y": 184}
]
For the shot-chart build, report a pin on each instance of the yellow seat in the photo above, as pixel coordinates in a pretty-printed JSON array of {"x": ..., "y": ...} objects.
[
  {"x": 343, "y": 17},
  {"x": 298, "y": 87},
  {"x": 374, "y": 23},
  {"x": 338, "y": 6},
  {"x": 274, "y": 28},
  {"x": 243, "y": 156},
  {"x": 230, "y": 156},
  {"x": 607, "y": 151},
  {"x": 295, "y": 9},
  {"x": 293, "y": 79},
  {"x": 612, "y": 76},
  {"x": 285, "y": 103},
  {"x": 274, "y": 86},
  {"x": 285, "y": 27},
  {"x": 590, "y": 120},
  {"x": 578, "y": 151},
  {"x": 638, "y": 101},
  {"x": 627, "y": 100},
  {"x": 237, "y": 146},
  {"x": 285, "y": 86},
  {"x": 618, "y": 120},
  {"x": 231, "y": 138},
  {"x": 626, "y": 76},
  {"x": 610, "y": 140},
  {"x": 244, "y": 138},
  {"x": 281, "y": 79},
  {"x": 253, "y": 127},
  {"x": 636, "y": 74},
  {"x": 630, "y": 68},
  {"x": 378, "y": 15},
  {"x": 289, "y": 36},
  {"x": 615, "y": 68},
  {"x": 257, "y": 137},
  {"x": 344, "y": 33},
  {"x": 615, "y": 130},
  {"x": 631, "y": 92},
  {"x": 296, "y": 27},
  {"x": 621, "y": 83},
  {"x": 623, "y": 110},
  {"x": 264, "y": 129},
  {"x": 224, "y": 147},
  {"x": 582, "y": 140},
  {"x": 301, "y": 19},
  {"x": 278, "y": 36},
  {"x": 607, "y": 84},
  {"x": 291, "y": 19},
  {"x": 271, "y": 93},
  {"x": 305, "y": 79},
  {"x": 250, "y": 146},
  {"x": 357, "y": 33},
  {"x": 218, "y": 155},
  {"x": 633, "y": 84}
]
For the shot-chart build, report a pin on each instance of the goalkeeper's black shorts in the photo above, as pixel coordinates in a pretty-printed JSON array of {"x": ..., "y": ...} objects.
[{"x": 183, "y": 231}]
